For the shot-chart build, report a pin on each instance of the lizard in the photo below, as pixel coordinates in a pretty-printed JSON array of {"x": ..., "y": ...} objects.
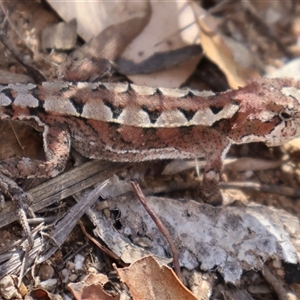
[{"x": 126, "y": 122}]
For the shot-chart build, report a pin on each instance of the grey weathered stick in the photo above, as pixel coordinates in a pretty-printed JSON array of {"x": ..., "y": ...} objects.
[
  {"x": 64, "y": 227},
  {"x": 63, "y": 186}
]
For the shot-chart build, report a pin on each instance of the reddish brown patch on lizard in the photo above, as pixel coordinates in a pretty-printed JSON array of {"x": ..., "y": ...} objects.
[
  {"x": 20, "y": 111},
  {"x": 242, "y": 126},
  {"x": 133, "y": 135}
]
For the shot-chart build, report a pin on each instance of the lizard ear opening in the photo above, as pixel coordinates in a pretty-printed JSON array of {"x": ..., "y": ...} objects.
[{"x": 285, "y": 116}]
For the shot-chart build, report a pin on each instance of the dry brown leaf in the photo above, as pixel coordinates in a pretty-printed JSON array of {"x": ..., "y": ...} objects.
[
  {"x": 112, "y": 25},
  {"x": 111, "y": 42},
  {"x": 217, "y": 49},
  {"x": 164, "y": 34},
  {"x": 61, "y": 36},
  {"x": 147, "y": 280},
  {"x": 94, "y": 16},
  {"x": 91, "y": 288},
  {"x": 115, "y": 25},
  {"x": 42, "y": 294}
]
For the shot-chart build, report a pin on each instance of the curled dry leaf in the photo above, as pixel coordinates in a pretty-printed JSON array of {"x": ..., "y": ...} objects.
[
  {"x": 146, "y": 277},
  {"x": 41, "y": 294},
  {"x": 94, "y": 16},
  {"x": 115, "y": 25},
  {"x": 91, "y": 288},
  {"x": 60, "y": 36},
  {"x": 164, "y": 35},
  {"x": 108, "y": 26},
  {"x": 221, "y": 50}
]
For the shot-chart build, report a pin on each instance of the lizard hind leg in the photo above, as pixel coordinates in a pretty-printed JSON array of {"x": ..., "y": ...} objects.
[{"x": 56, "y": 146}]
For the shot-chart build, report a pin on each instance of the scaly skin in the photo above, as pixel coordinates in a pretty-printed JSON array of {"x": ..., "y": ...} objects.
[{"x": 123, "y": 122}]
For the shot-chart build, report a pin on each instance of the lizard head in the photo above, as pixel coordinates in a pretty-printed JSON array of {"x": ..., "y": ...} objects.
[
  {"x": 269, "y": 111},
  {"x": 287, "y": 113}
]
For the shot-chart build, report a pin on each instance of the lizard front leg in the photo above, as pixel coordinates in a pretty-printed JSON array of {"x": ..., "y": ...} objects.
[
  {"x": 211, "y": 177},
  {"x": 215, "y": 150}
]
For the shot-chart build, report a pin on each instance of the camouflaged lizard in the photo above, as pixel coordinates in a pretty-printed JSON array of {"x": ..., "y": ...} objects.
[{"x": 125, "y": 122}]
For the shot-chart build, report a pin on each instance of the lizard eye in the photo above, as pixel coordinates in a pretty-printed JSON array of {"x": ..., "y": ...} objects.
[{"x": 284, "y": 116}]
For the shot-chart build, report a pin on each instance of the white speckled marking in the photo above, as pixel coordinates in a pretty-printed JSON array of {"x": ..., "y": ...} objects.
[
  {"x": 96, "y": 110},
  {"x": 291, "y": 91},
  {"x": 116, "y": 87},
  {"x": 203, "y": 94},
  {"x": 172, "y": 118},
  {"x": 4, "y": 100},
  {"x": 143, "y": 90},
  {"x": 26, "y": 101},
  {"x": 134, "y": 116},
  {"x": 175, "y": 93},
  {"x": 60, "y": 106}
]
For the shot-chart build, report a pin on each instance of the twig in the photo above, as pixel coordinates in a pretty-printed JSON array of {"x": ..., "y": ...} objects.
[
  {"x": 64, "y": 185},
  {"x": 275, "y": 283},
  {"x": 265, "y": 188},
  {"x": 102, "y": 248},
  {"x": 250, "y": 186},
  {"x": 51, "y": 238},
  {"x": 64, "y": 227},
  {"x": 160, "y": 226},
  {"x": 70, "y": 255}
]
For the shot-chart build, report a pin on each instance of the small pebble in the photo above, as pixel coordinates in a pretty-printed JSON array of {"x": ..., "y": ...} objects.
[
  {"x": 70, "y": 265},
  {"x": 291, "y": 296},
  {"x": 46, "y": 272},
  {"x": 49, "y": 284},
  {"x": 73, "y": 277},
  {"x": 92, "y": 270},
  {"x": 65, "y": 273},
  {"x": 280, "y": 273},
  {"x": 277, "y": 264},
  {"x": 259, "y": 289},
  {"x": 79, "y": 259}
]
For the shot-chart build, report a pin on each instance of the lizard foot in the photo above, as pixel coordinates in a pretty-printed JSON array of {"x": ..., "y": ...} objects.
[
  {"x": 21, "y": 200},
  {"x": 214, "y": 197}
]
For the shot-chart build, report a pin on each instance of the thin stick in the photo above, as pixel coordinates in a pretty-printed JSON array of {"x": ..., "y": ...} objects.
[
  {"x": 102, "y": 248},
  {"x": 275, "y": 283},
  {"x": 160, "y": 226}
]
